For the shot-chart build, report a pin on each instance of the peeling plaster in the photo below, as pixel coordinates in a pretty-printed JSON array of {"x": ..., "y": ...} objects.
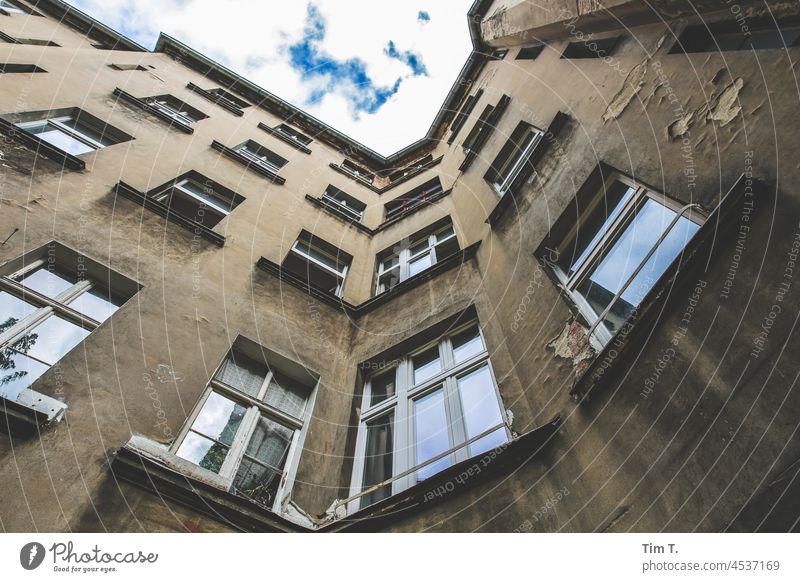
[
  {"x": 727, "y": 105},
  {"x": 572, "y": 344},
  {"x": 633, "y": 84}
]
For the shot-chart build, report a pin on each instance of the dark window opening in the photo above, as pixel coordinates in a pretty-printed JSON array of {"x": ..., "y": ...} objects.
[
  {"x": 343, "y": 204},
  {"x": 731, "y": 36},
  {"x": 411, "y": 200},
  {"x": 590, "y": 49},
  {"x": 319, "y": 263},
  {"x": 19, "y": 68},
  {"x": 498, "y": 55},
  {"x": 529, "y": 53}
]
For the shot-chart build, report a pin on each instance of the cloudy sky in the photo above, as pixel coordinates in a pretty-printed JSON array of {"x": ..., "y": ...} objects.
[{"x": 377, "y": 71}]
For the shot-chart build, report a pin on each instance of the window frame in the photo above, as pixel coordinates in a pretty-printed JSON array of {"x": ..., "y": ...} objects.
[
  {"x": 520, "y": 157},
  {"x": 261, "y": 156},
  {"x": 62, "y": 304},
  {"x": 616, "y": 226},
  {"x": 401, "y": 404},
  {"x": 175, "y": 109},
  {"x": 256, "y": 408},
  {"x": 58, "y": 123},
  {"x": 341, "y": 206},
  {"x": 405, "y": 257},
  {"x": 12, "y": 7},
  {"x": 341, "y": 275},
  {"x": 164, "y": 196}
]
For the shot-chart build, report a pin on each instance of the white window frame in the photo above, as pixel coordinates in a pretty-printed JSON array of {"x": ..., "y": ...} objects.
[
  {"x": 401, "y": 405},
  {"x": 163, "y": 105},
  {"x": 256, "y": 408},
  {"x": 619, "y": 222},
  {"x": 58, "y": 123},
  {"x": 340, "y": 205},
  {"x": 287, "y": 131},
  {"x": 223, "y": 207},
  {"x": 45, "y": 307},
  {"x": 406, "y": 258},
  {"x": 262, "y": 160},
  {"x": 340, "y": 274},
  {"x": 11, "y": 7},
  {"x": 520, "y": 157}
]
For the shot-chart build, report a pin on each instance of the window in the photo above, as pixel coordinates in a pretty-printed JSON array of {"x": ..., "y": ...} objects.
[
  {"x": 463, "y": 114},
  {"x": 261, "y": 156},
  {"x": 19, "y": 68},
  {"x": 76, "y": 133},
  {"x": 590, "y": 49},
  {"x": 480, "y": 126},
  {"x": 31, "y": 41},
  {"x": 293, "y": 134},
  {"x": 511, "y": 162},
  {"x": 228, "y": 96},
  {"x": 175, "y": 109},
  {"x": 418, "y": 414},
  {"x": 419, "y": 196},
  {"x": 247, "y": 425},
  {"x": 197, "y": 198},
  {"x": 319, "y": 263},
  {"x": 50, "y": 300},
  {"x": 529, "y": 53},
  {"x": 624, "y": 240},
  {"x": 730, "y": 36},
  {"x": 123, "y": 67},
  {"x": 10, "y": 7},
  {"x": 343, "y": 204},
  {"x": 357, "y": 171},
  {"x": 498, "y": 54},
  {"x": 415, "y": 254}
]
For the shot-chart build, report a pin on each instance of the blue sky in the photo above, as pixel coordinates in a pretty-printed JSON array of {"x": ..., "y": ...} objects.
[{"x": 375, "y": 71}]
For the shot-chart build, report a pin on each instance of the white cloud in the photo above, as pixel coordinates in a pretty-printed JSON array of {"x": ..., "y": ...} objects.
[{"x": 250, "y": 37}]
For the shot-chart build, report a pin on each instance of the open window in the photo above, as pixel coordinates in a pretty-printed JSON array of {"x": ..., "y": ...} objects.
[
  {"x": 343, "y": 204},
  {"x": 247, "y": 428},
  {"x": 415, "y": 254},
  {"x": 625, "y": 237},
  {"x": 197, "y": 198},
  {"x": 513, "y": 158},
  {"x": 72, "y": 131},
  {"x": 319, "y": 263},
  {"x": 51, "y": 299},
  {"x": 414, "y": 199},
  {"x": 423, "y": 410}
]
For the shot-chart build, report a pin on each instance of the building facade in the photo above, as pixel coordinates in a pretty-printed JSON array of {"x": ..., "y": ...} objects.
[{"x": 571, "y": 306}]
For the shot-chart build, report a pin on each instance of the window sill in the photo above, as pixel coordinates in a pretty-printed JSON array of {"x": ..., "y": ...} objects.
[
  {"x": 453, "y": 481},
  {"x": 236, "y": 156},
  {"x": 321, "y": 204},
  {"x": 286, "y": 139},
  {"x": 141, "y": 104},
  {"x": 149, "y": 465},
  {"x": 25, "y": 415},
  {"x": 135, "y": 195},
  {"x": 355, "y": 311},
  {"x": 702, "y": 246},
  {"x": 221, "y": 101},
  {"x": 508, "y": 200},
  {"x": 41, "y": 147}
]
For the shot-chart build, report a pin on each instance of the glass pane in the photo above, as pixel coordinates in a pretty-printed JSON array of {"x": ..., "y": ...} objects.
[
  {"x": 419, "y": 247},
  {"x": 48, "y": 281},
  {"x": 430, "y": 421},
  {"x": 51, "y": 339},
  {"x": 205, "y": 195},
  {"x": 96, "y": 304},
  {"x": 467, "y": 344},
  {"x": 378, "y": 459},
  {"x": 220, "y": 418},
  {"x": 419, "y": 265},
  {"x": 427, "y": 364},
  {"x": 382, "y": 386},
  {"x": 87, "y": 131},
  {"x": 12, "y": 310},
  {"x": 481, "y": 409},
  {"x": 319, "y": 256},
  {"x": 287, "y": 395},
  {"x": 257, "y": 482},
  {"x": 616, "y": 197},
  {"x": 243, "y": 373},
  {"x": 60, "y": 139},
  {"x": 202, "y": 451},
  {"x": 270, "y": 443},
  {"x": 624, "y": 257},
  {"x": 390, "y": 262},
  {"x": 17, "y": 372}
]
